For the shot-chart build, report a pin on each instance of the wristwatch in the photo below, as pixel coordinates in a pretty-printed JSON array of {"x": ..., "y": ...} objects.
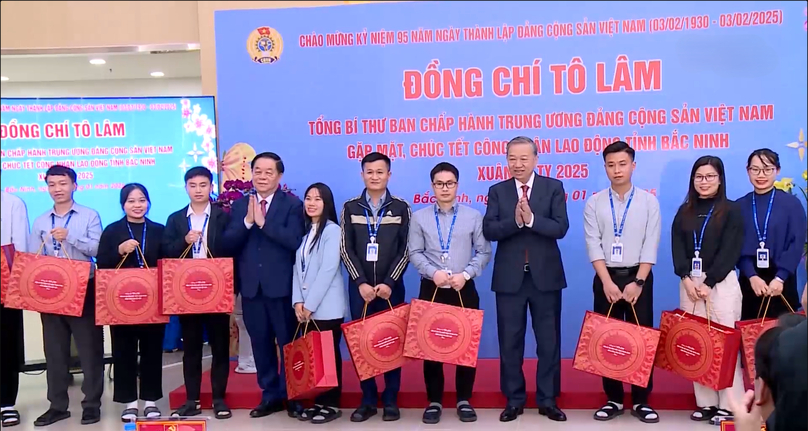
[
  {"x": 639, "y": 282},
  {"x": 466, "y": 276}
]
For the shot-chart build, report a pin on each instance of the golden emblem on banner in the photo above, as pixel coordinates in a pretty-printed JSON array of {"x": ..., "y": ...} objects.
[{"x": 265, "y": 45}]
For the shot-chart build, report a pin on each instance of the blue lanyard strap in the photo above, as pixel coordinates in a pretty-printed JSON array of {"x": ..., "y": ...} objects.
[
  {"x": 762, "y": 238},
  {"x": 373, "y": 231},
  {"x": 142, "y": 242},
  {"x": 445, "y": 248},
  {"x": 56, "y": 245},
  {"x": 697, "y": 241},
  {"x": 197, "y": 247},
  {"x": 619, "y": 232},
  {"x": 303, "y": 251}
]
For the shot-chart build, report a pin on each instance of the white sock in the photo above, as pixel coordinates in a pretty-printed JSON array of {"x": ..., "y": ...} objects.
[
  {"x": 603, "y": 414},
  {"x": 2, "y": 409},
  {"x": 462, "y": 403},
  {"x": 132, "y": 405},
  {"x": 150, "y": 404}
]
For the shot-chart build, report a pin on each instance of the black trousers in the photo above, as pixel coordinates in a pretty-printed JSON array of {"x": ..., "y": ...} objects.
[
  {"x": 56, "y": 332},
  {"x": 11, "y": 346},
  {"x": 622, "y": 311},
  {"x": 217, "y": 326},
  {"x": 127, "y": 340},
  {"x": 545, "y": 314},
  {"x": 332, "y": 397},
  {"x": 433, "y": 371},
  {"x": 751, "y": 304}
]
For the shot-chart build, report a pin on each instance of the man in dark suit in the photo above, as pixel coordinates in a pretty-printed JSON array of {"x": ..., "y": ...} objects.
[
  {"x": 527, "y": 215},
  {"x": 193, "y": 231},
  {"x": 265, "y": 230}
]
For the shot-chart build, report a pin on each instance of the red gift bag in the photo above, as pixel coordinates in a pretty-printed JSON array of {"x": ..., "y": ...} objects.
[
  {"x": 48, "y": 284},
  {"x": 6, "y": 260},
  {"x": 616, "y": 349},
  {"x": 698, "y": 349},
  {"x": 196, "y": 286},
  {"x": 171, "y": 425},
  {"x": 129, "y": 296},
  {"x": 730, "y": 426},
  {"x": 376, "y": 342},
  {"x": 751, "y": 330},
  {"x": 443, "y": 333},
  {"x": 309, "y": 364}
]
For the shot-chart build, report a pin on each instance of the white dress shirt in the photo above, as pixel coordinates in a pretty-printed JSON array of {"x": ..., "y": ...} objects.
[
  {"x": 529, "y": 184},
  {"x": 197, "y": 223},
  {"x": 259, "y": 199},
  {"x": 14, "y": 221}
]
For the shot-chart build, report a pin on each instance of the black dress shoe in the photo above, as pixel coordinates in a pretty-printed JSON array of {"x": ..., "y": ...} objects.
[
  {"x": 50, "y": 417},
  {"x": 363, "y": 413},
  {"x": 391, "y": 413},
  {"x": 90, "y": 416},
  {"x": 265, "y": 409},
  {"x": 511, "y": 413},
  {"x": 553, "y": 413},
  {"x": 294, "y": 409}
]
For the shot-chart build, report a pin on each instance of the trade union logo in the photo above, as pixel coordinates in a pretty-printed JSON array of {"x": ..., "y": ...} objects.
[{"x": 265, "y": 45}]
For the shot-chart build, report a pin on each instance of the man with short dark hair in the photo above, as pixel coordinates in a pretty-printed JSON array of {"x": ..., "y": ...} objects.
[
  {"x": 70, "y": 230},
  {"x": 447, "y": 246},
  {"x": 622, "y": 229},
  {"x": 265, "y": 230},
  {"x": 374, "y": 250},
  {"x": 201, "y": 227}
]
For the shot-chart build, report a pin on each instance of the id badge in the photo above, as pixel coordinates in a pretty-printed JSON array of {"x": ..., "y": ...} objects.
[
  {"x": 617, "y": 252},
  {"x": 695, "y": 268},
  {"x": 372, "y": 252},
  {"x": 762, "y": 258}
]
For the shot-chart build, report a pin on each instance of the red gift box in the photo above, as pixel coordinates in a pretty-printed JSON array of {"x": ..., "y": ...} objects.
[
  {"x": 196, "y": 286},
  {"x": 443, "y": 333},
  {"x": 376, "y": 342},
  {"x": 310, "y": 365},
  {"x": 174, "y": 425},
  {"x": 48, "y": 284},
  {"x": 129, "y": 296},
  {"x": 616, "y": 349},
  {"x": 6, "y": 259},
  {"x": 730, "y": 426},
  {"x": 699, "y": 350}
]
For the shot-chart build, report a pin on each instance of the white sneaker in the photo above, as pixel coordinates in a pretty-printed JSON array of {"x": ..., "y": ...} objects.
[{"x": 246, "y": 369}]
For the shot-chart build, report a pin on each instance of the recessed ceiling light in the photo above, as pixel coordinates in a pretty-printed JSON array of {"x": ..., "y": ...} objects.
[
  {"x": 98, "y": 61},
  {"x": 3, "y": 78},
  {"x": 157, "y": 74}
]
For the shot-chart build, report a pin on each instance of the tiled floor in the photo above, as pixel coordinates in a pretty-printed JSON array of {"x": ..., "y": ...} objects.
[{"x": 32, "y": 402}]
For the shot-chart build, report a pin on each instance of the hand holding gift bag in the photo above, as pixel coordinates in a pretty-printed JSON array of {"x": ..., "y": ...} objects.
[
  {"x": 616, "y": 349},
  {"x": 128, "y": 296},
  {"x": 309, "y": 363},
  {"x": 751, "y": 331},
  {"x": 6, "y": 260},
  {"x": 443, "y": 333},
  {"x": 376, "y": 342},
  {"x": 48, "y": 284},
  {"x": 196, "y": 286}
]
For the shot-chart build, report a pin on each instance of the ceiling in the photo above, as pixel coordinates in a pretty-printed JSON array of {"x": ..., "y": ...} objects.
[{"x": 77, "y": 67}]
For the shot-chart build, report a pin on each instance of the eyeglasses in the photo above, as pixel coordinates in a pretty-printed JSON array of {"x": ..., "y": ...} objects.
[
  {"x": 446, "y": 185},
  {"x": 754, "y": 170},
  {"x": 705, "y": 178}
]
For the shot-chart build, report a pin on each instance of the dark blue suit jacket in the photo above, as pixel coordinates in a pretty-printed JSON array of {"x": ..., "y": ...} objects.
[{"x": 265, "y": 257}]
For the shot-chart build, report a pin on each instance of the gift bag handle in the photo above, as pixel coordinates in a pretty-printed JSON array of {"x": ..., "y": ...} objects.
[
  {"x": 768, "y": 302},
  {"x": 305, "y": 328},
  {"x": 61, "y": 247},
  {"x": 706, "y": 308},
  {"x": 142, "y": 256},
  {"x": 365, "y": 309},
  {"x": 633, "y": 310},
  {"x": 187, "y": 249},
  {"x": 458, "y": 295}
]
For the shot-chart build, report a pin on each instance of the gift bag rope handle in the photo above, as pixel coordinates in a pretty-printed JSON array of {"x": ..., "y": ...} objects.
[
  {"x": 633, "y": 310},
  {"x": 365, "y": 309},
  {"x": 188, "y": 249},
  {"x": 768, "y": 302},
  {"x": 42, "y": 247},
  {"x": 458, "y": 295},
  {"x": 706, "y": 308},
  {"x": 142, "y": 256},
  {"x": 305, "y": 328}
]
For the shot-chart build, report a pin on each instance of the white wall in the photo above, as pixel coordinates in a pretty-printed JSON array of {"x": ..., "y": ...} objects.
[{"x": 107, "y": 88}]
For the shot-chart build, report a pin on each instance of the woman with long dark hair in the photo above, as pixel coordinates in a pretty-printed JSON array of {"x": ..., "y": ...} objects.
[
  {"x": 120, "y": 241},
  {"x": 774, "y": 238},
  {"x": 318, "y": 291},
  {"x": 706, "y": 239}
]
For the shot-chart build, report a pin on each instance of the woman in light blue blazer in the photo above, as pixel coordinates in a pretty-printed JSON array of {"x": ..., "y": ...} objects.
[{"x": 318, "y": 291}]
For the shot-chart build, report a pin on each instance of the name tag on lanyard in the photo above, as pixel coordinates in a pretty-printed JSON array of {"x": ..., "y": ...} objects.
[
  {"x": 617, "y": 247},
  {"x": 444, "y": 248},
  {"x": 697, "y": 265},
  {"x": 762, "y": 254},
  {"x": 372, "y": 249}
]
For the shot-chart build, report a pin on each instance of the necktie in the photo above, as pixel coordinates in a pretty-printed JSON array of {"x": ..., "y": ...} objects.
[
  {"x": 525, "y": 188},
  {"x": 264, "y": 207}
]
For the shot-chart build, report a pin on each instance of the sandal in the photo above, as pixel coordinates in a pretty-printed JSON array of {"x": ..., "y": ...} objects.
[
  {"x": 221, "y": 411},
  {"x": 721, "y": 415},
  {"x": 466, "y": 413},
  {"x": 152, "y": 412},
  {"x": 645, "y": 414},
  {"x": 432, "y": 415},
  {"x": 10, "y": 418},
  {"x": 190, "y": 408},
  {"x": 326, "y": 415},
  {"x": 308, "y": 413},
  {"x": 608, "y": 412},
  {"x": 128, "y": 415},
  {"x": 704, "y": 415}
]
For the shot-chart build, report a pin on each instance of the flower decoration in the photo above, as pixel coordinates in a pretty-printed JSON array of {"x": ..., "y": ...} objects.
[
  {"x": 800, "y": 145},
  {"x": 233, "y": 190},
  {"x": 784, "y": 184}
]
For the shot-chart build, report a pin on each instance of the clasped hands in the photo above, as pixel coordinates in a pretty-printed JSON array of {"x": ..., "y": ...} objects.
[
  {"x": 695, "y": 292},
  {"x": 524, "y": 214},
  {"x": 254, "y": 213},
  {"x": 59, "y": 234},
  {"x": 127, "y": 247},
  {"x": 775, "y": 288},
  {"x": 302, "y": 314},
  {"x": 442, "y": 278},
  {"x": 630, "y": 294},
  {"x": 369, "y": 293}
]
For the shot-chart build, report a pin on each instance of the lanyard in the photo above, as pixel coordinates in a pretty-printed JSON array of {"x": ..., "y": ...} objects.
[
  {"x": 142, "y": 242},
  {"x": 372, "y": 231},
  {"x": 619, "y": 233},
  {"x": 56, "y": 245},
  {"x": 762, "y": 238},
  {"x": 303, "y": 251},
  {"x": 197, "y": 247},
  {"x": 445, "y": 249},
  {"x": 697, "y": 242}
]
